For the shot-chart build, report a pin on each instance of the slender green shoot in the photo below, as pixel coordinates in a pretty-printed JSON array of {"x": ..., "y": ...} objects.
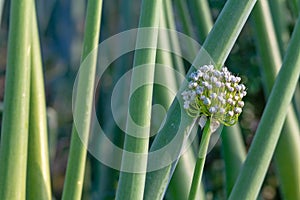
[
  {"x": 268, "y": 132},
  {"x": 84, "y": 98},
  {"x": 170, "y": 24},
  {"x": 200, "y": 161},
  {"x": 288, "y": 148},
  {"x": 14, "y": 137},
  {"x": 204, "y": 20},
  {"x": 278, "y": 10},
  {"x": 38, "y": 172},
  {"x": 234, "y": 153},
  {"x": 131, "y": 185},
  {"x": 186, "y": 22}
]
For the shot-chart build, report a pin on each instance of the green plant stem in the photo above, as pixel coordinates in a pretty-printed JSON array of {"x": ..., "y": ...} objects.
[
  {"x": 14, "y": 137},
  {"x": 38, "y": 172},
  {"x": 181, "y": 181},
  {"x": 131, "y": 185},
  {"x": 170, "y": 24},
  {"x": 185, "y": 17},
  {"x": 278, "y": 9},
  {"x": 268, "y": 132},
  {"x": 200, "y": 161},
  {"x": 186, "y": 23},
  {"x": 234, "y": 153},
  {"x": 203, "y": 20},
  {"x": 288, "y": 148},
  {"x": 83, "y": 105},
  {"x": 218, "y": 44}
]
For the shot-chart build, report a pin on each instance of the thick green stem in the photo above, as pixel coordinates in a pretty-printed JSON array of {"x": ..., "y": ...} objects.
[
  {"x": 185, "y": 17},
  {"x": 268, "y": 132},
  {"x": 83, "y": 105},
  {"x": 203, "y": 20},
  {"x": 288, "y": 149},
  {"x": 14, "y": 137},
  {"x": 181, "y": 180},
  {"x": 195, "y": 187},
  {"x": 218, "y": 44},
  {"x": 131, "y": 184},
  {"x": 278, "y": 9},
  {"x": 186, "y": 22},
  {"x": 38, "y": 172},
  {"x": 170, "y": 24},
  {"x": 234, "y": 153}
]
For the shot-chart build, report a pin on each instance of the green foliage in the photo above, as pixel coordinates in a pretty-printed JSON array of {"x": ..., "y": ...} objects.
[
  {"x": 15, "y": 123},
  {"x": 38, "y": 185},
  {"x": 77, "y": 156},
  {"x": 60, "y": 37}
]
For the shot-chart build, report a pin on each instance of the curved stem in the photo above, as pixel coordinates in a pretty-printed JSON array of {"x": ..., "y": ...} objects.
[{"x": 198, "y": 171}]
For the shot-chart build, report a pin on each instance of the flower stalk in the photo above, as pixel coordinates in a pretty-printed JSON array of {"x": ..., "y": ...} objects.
[
  {"x": 216, "y": 95},
  {"x": 232, "y": 17},
  {"x": 200, "y": 161}
]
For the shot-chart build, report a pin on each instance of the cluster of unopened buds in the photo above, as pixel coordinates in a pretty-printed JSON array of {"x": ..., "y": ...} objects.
[{"x": 216, "y": 94}]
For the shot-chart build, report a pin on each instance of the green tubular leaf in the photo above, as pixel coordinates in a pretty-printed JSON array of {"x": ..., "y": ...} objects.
[
  {"x": 170, "y": 24},
  {"x": 203, "y": 18},
  {"x": 131, "y": 185},
  {"x": 14, "y": 137},
  {"x": 77, "y": 156},
  {"x": 234, "y": 153},
  {"x": 268, "y": 132},
  {"x": 38, "y": 172},
  {"x": 278, "y": 9},
  {"x": 185, "y": 17},
  {"x": 186, "y": 22},
  {"x": 288, "y": 149},
  {"x": 218, "y": 44},
  {"x": 179, "y": 185}
]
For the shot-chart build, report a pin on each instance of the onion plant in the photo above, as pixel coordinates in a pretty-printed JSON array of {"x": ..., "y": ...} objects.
[
  {"x": 233, "y": 22},
  {"x": 196, "y": 104}
]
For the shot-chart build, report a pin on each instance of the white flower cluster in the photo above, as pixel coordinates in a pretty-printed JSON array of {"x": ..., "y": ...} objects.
[{"x": 216, "y": 94}]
